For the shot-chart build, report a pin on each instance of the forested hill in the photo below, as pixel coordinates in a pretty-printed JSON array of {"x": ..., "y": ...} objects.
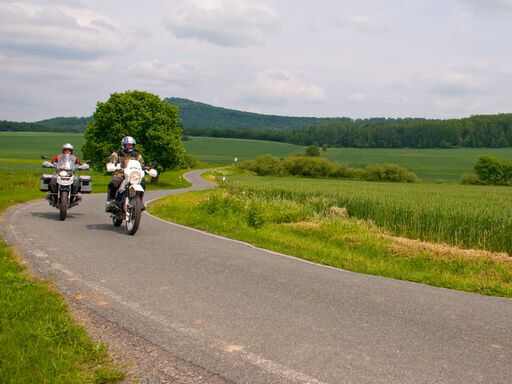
[
  {"x": 199, "y": 115},
  {"x": 476, "y": 131},
  {"x": 57, "y": 124},
  {"x": 199, "y": 119}
]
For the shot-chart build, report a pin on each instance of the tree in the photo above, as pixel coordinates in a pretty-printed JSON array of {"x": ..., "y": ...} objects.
[
  {"x": 152, "y": 122},
  {"x": 313, "y": 151},
  {"x": 492, "y": 170}
]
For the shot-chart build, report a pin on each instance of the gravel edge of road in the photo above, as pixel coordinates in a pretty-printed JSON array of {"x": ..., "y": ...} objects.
[{"x": 141, "y": 360}]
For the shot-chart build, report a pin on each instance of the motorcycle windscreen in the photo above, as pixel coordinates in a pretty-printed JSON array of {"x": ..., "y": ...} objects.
[{"x": 66, "y": 162}]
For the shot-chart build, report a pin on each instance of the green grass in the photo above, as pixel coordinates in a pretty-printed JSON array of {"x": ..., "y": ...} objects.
[
  {"x": 39, "y": 342},
  {"x": 466, "y": 216},
  {"x": 223, "y": 151},
  {"x": 31, "y": 145},
  {"x": 308, "y": 229},
  {"x": 428, "y": 164}
]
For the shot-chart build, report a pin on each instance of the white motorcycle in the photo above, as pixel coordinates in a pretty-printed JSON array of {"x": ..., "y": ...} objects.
[
  {"x": 129, "y": 195},
  {"x": 68, "y": 186}
]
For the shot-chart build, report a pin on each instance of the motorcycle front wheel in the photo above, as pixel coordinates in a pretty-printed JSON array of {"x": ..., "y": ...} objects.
[
  {"x": 134, "y": 210},
  {"x": 63, "y": 206}
]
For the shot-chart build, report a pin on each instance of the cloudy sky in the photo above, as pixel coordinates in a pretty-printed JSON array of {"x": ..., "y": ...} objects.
[{"x": 354, "y": 58}]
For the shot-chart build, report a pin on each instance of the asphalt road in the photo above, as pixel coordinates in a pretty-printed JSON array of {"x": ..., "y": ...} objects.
[{"x": 253, "y": 316}]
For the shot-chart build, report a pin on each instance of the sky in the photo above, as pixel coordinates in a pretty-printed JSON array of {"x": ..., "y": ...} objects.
[{"x": 325, "y": 58}]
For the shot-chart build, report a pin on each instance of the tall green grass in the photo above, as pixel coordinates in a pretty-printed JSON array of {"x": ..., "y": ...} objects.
[
  {"x": 465, "y": 216},
  {"x": 315, "y": 230}
]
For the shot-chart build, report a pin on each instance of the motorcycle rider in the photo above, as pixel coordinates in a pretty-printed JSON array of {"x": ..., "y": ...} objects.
[
  {"x": 122, "y": 157},
  {"x": 67, "y": 149}
]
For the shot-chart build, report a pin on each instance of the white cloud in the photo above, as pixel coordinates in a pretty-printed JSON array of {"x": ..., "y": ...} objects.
[
  {"x": 281, "y": 87},
  {"x": 57, "y": 31},
  {"x": 157, "y": 72},
  {"x": 453, "y": 82},
  {"x": 363, "y": 24},
  {"x": 488, "y": 6},
  {"x": 231, "y": 23},
  {"x": 357, "y": 97}
]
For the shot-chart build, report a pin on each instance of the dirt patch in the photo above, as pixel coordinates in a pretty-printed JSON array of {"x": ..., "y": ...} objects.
[{"x": 418, "y": 247}]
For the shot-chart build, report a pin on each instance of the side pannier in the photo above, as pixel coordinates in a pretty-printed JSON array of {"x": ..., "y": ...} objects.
[
  {"x": 85, "y": 184},
  {"x": 44, "y": 182}
]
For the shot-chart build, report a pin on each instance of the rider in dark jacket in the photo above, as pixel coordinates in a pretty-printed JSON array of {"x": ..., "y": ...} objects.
[{"x": 121, "y": 157}]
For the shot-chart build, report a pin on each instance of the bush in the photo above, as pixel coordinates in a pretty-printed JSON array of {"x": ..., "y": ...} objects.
[
  {"x": 470, "y": 179},
  {"x": 309, "y": 166},
  {"x": 265, "y": 165},
  {"x": 388, "y": 172},
  {"x": 492, "y": 170}
]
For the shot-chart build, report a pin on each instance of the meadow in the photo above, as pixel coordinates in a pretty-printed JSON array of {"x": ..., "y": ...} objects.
[
  {"x": 343, "y": 224},
  {"x": 431, "y": 165},
  {"x": 478, "y": 217}
]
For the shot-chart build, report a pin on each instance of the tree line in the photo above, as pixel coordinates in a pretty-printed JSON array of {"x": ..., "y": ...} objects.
[
  {"x": 493, "y": 131},
  {"x": 56, "y": 124}
]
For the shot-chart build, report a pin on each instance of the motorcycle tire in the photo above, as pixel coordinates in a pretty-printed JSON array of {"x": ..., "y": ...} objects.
[
  {"x": 133, "y": 218},
  {"x": 117, "y": 222},
  {"x": 63, "y": 206}
]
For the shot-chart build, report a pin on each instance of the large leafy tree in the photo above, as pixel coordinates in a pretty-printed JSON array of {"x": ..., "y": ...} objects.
[{"x": 152, "y": 122}]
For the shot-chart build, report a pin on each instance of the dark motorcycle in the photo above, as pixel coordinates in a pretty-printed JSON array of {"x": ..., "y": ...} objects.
[{"x": 64, "y": 188}]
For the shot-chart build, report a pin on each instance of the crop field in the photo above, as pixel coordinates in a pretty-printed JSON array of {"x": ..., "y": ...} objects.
[
  {"x": 430, "y": 165},
  {"x": 32, "y": 145},
  {"x": 223, "y": 151},
  {"x": 477, "y": 217}
]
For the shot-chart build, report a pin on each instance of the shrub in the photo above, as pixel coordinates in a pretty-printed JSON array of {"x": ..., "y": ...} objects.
[
  {"x": 388, "y": 172},
  {"x": 492, "y": 170},
  {"x": 265, "y": 165},
  {"x": 309, "y": 166},
  {"x": 470, "y": 179}
]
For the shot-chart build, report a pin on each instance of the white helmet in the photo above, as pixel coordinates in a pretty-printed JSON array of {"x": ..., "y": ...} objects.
[
  {"x": 67, "y": 146},
  {"x": 128, "y": 140}
]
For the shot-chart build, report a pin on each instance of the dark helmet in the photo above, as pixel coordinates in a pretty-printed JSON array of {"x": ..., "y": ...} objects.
[
  {"x": 128, "y": 140},
  {"x": 67, "y": 146}
]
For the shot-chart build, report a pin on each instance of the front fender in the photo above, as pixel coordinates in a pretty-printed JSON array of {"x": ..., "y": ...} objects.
[{"x": 137, "y": 187}]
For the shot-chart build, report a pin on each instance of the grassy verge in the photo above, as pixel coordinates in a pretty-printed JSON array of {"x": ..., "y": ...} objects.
[
  {"x": 39, "y": 342},
  {"x": 331, "y": 237}
]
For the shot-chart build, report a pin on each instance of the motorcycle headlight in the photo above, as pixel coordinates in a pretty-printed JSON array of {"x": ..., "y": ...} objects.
[
  {"x": 63, "y": 173},
  {"x": 135, "y": 178}
]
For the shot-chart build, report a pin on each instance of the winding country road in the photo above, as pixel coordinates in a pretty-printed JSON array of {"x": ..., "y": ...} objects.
[{"x": 246, "y": 315}]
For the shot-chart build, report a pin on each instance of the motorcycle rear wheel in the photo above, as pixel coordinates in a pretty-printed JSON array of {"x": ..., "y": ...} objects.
[
  {"x": 117, "y": 222},
  {"x": 63, "y": 206},
  {"x": 133, "y": 217}
]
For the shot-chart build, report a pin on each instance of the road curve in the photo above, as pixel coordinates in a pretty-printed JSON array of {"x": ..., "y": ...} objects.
[{"x": 253, "y": 316}]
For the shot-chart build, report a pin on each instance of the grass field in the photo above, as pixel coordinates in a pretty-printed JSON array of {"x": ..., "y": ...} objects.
[
  {"x": 477, "y": 217},
  {"x": 317, "y": 220},
  {"x": 428, "y": 164}
]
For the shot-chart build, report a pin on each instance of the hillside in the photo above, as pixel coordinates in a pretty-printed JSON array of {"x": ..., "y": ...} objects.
[
  {"x": 196, "y": 115},
  {"x": 199, "y": 119},
  {"x": 56, "y": 124}
]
